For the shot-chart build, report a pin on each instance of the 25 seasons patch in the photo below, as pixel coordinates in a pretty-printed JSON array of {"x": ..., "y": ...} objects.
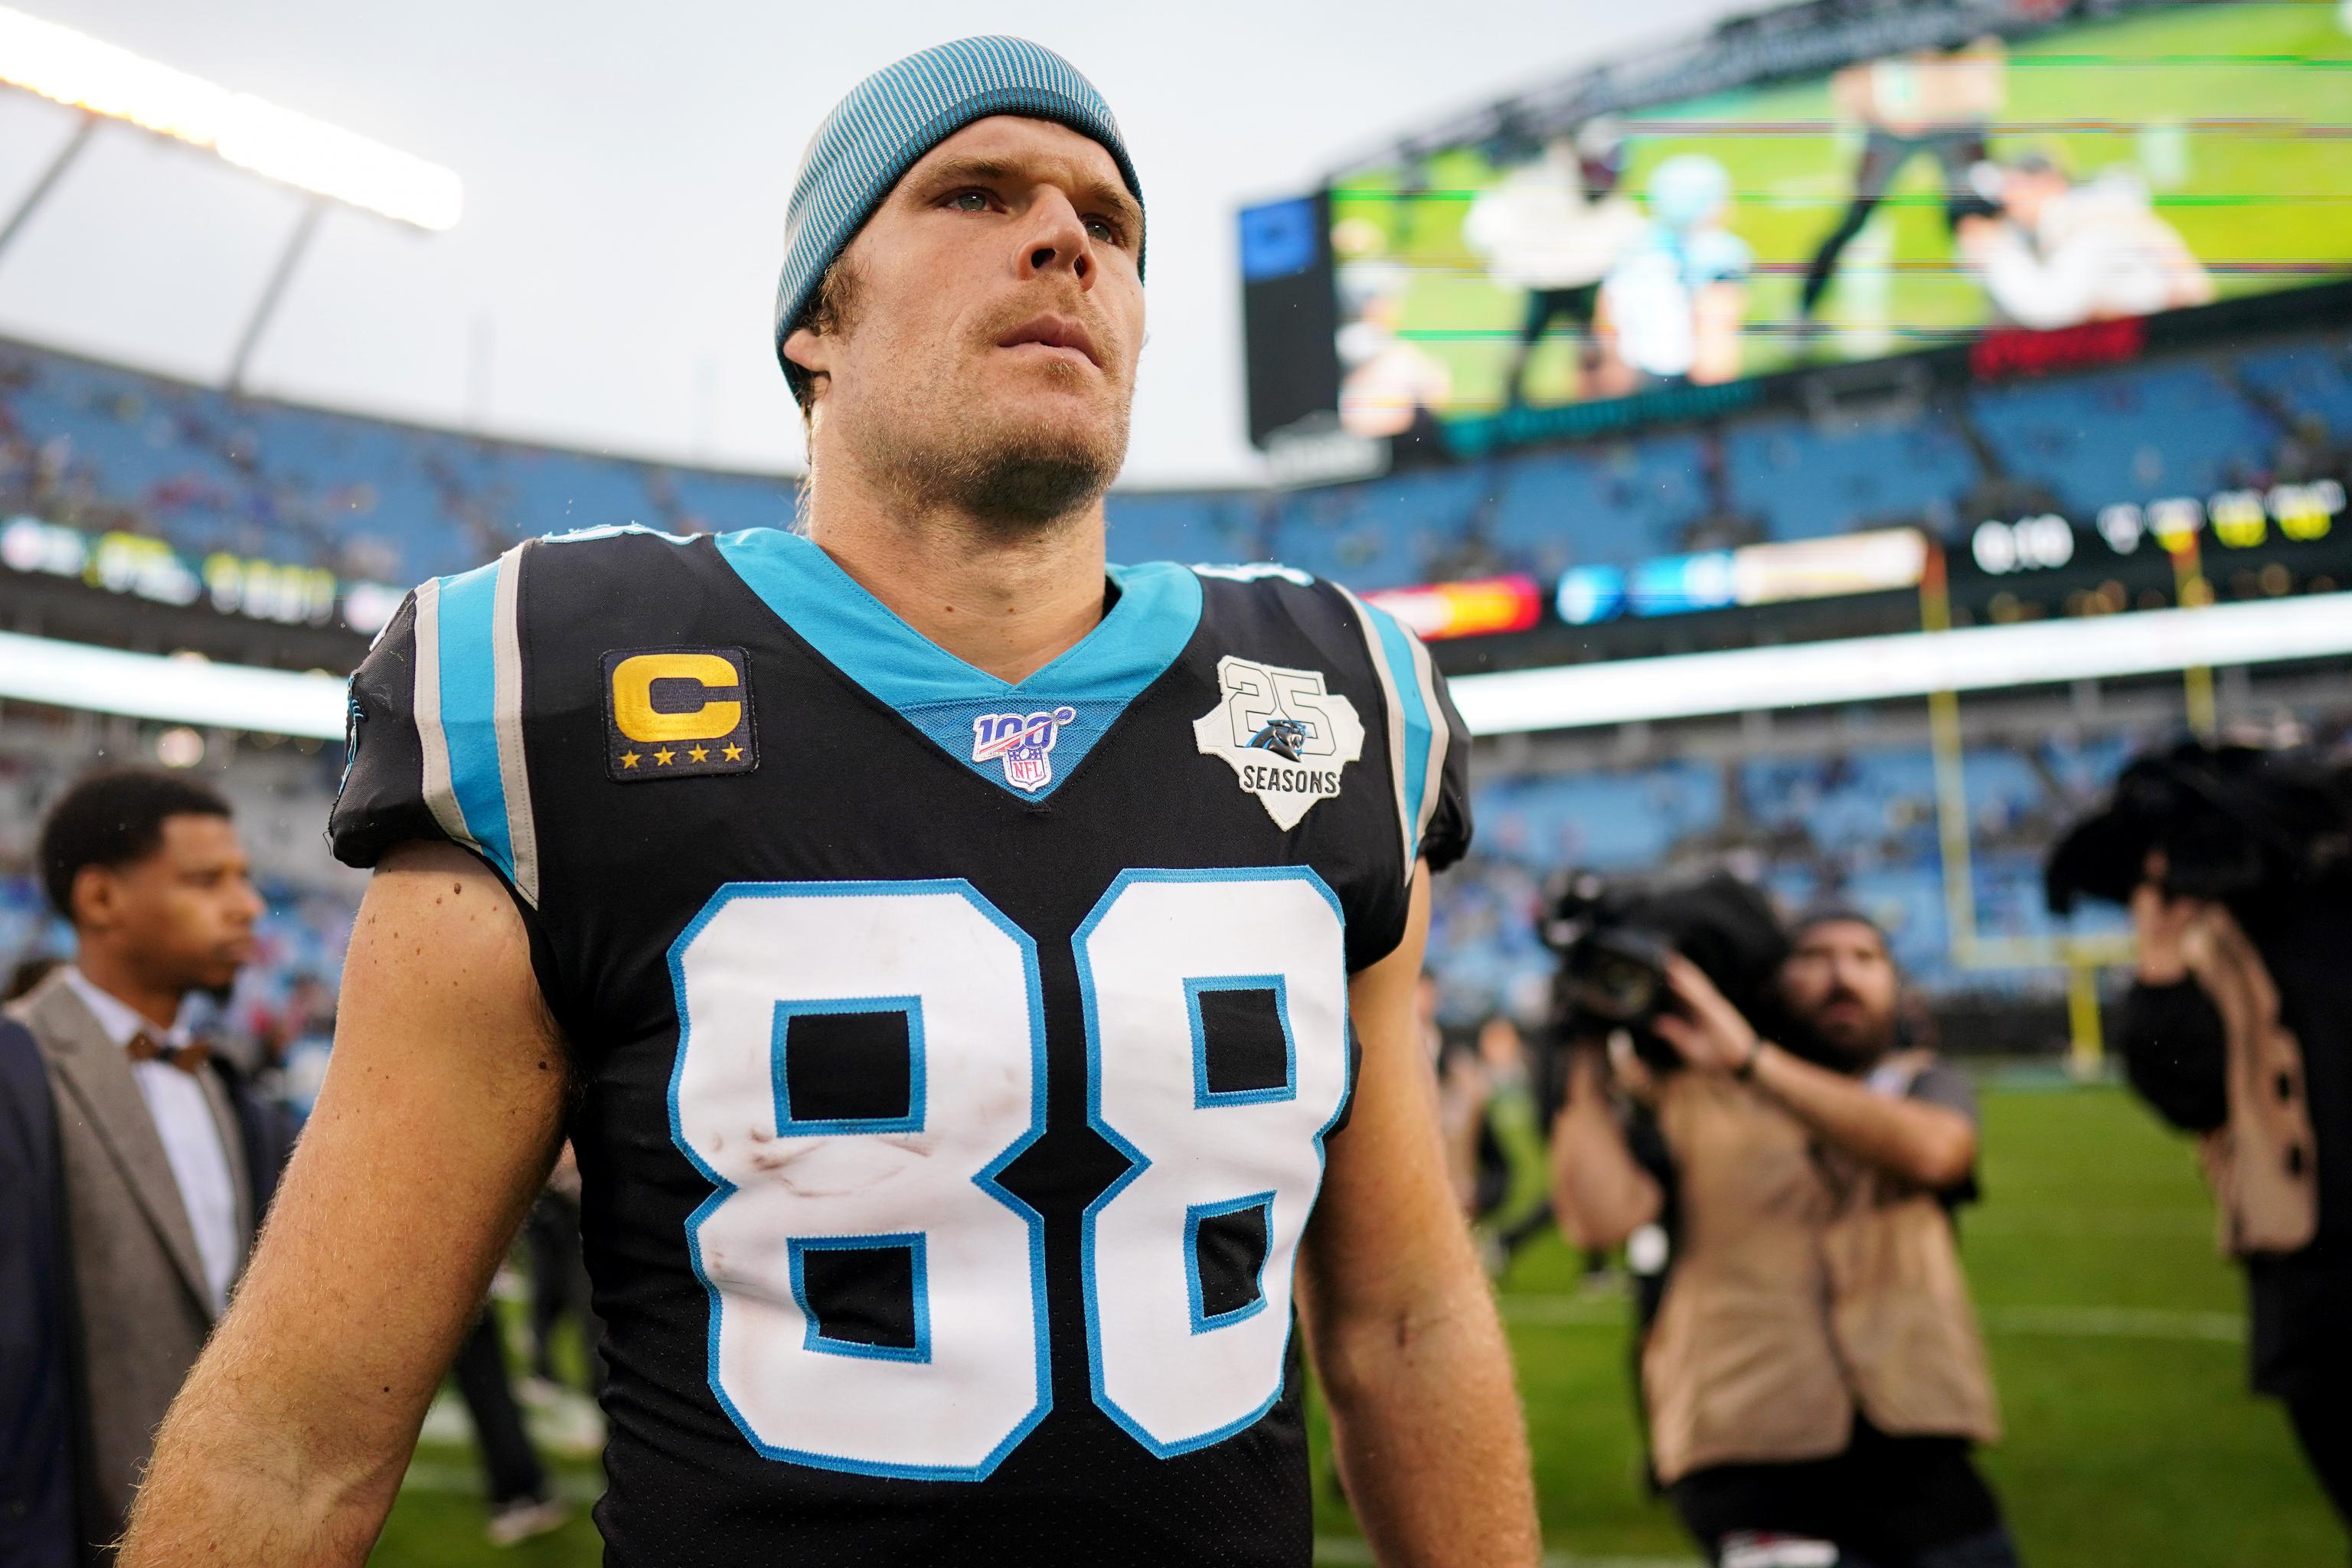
[
  {"x": 1288, "y": 739},
  {"x": 674, "y": 712}
]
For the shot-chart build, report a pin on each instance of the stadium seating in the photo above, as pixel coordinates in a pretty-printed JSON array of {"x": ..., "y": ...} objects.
[
  {"x": 2309, "y": 381},
  {"x": 2139, "y": 434},
  {"x": 1857, "y": 826},
  {"x": 1804, "y": 483},
  {"x": 1611, "y": 505},
  {"x": 103, "y": 448}
]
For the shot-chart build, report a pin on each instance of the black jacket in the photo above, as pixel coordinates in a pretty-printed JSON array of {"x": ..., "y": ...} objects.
[
  {"x": 2175, "y": 1056},
  {"x": 37, "y": 1502},
  {"x": 39, "y": 1348}
]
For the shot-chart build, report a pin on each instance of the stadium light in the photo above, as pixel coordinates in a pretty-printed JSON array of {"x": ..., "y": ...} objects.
[
  {"x": 177, "y": 691},
  {"x": 76, "y": 69},
  {"x": 1908, "y": 664}
]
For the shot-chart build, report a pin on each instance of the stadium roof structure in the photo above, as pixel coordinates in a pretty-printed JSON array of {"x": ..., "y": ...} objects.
[{"x": 327, "y": 163}]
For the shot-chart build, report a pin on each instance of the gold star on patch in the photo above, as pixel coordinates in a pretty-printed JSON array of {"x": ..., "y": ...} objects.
[
  {"x": 630, "y": 759},
  {"x": 733, "y": 753},
  {"x": 700, "y": 754},
  {"x": 663, "y": 757}
]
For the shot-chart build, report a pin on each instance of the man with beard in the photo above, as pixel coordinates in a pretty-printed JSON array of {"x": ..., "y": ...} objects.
[
  {"x": 970, "y": 976},
  {"x": 1813, "y": 1374}
]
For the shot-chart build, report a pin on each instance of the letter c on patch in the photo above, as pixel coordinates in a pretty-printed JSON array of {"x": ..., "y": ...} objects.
[{"x": 634, "y": 713}]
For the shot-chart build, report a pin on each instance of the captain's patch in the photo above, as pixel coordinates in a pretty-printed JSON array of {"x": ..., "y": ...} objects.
[{"x": 673, "y": 712}]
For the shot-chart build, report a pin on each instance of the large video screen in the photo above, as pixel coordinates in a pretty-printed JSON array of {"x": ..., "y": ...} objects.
[{"x": 2167, "y": 158}]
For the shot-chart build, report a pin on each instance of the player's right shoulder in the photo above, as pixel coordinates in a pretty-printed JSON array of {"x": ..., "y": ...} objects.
[
  {"x": 443, "y": 708},
  {"x": 1259, "y": 596}
]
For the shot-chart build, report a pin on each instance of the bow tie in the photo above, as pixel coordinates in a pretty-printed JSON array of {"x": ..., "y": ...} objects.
[{"x": 145, "y": 1048}]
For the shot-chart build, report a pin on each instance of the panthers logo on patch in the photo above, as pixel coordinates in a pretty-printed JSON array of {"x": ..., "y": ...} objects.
[
  {"x": 1288, "y": 737},
  {"x": 675, "y": 713}
]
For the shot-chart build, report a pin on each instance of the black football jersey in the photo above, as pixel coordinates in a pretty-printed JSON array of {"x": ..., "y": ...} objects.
[{"x": 955, "y": 1057}]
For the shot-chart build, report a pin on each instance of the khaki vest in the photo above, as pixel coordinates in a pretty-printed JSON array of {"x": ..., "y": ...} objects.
[
  {"x": 1805, "y": 1284},
  {"x": 2260, "y": 1163}
]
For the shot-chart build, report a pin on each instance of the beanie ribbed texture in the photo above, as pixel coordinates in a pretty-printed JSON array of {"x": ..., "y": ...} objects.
[{"x": 893, "y": 118}]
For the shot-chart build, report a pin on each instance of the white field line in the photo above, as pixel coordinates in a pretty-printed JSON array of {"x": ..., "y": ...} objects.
[
  {"x": 2060, "y": 1323},
  {"x": 1347, "y": 1551}
]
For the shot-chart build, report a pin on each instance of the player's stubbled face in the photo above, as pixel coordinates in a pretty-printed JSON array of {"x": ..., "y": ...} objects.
[{"x": 988, "y": 354}]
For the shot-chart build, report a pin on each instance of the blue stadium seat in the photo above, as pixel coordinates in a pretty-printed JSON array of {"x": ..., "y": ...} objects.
[
  {"x": 1611, "y": 505},
  {"x": 1805, "y": 483},
  {"x": 1174, "y": 526},
  {"x": 2312, "y": 380},
  {"x": 2139, "y": 434},
  {"x": 1384, "y": 534},
  {"x": 1607, "y": 821}
]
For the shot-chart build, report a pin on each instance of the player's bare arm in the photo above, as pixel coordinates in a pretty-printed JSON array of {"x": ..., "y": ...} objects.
[
  {"x": 1401, "y": 1322},
  {"x": 436, "y": 1125}
]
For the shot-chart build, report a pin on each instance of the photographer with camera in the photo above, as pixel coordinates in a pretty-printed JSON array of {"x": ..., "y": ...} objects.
[
  {"x": 1812, "y": 1372},
  {"x": 2236, "y": 865}
]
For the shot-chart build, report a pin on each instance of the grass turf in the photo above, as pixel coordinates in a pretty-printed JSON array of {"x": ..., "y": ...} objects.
[{"x": 2114, "y": 1328}]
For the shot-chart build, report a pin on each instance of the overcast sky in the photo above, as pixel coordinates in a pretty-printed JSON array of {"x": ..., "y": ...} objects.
[{"x": 626, "y": 167}]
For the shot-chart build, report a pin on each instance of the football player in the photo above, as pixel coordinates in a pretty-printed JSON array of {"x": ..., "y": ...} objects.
[{"x": 977, "y": 980}]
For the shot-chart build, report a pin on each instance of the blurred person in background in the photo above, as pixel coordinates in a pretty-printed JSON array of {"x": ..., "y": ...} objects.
[
  {"x": 559, "y": 1282},
  {"x": 1390, "y": 385},
  {"x": 2060, "y": 253},
  {"x": 1928, "y": 104},
  {"x": 1814, "y": 1375},
  {"x": 1552, "y": 228},
  {"x": 168, "y": 1160},
  {"x": 2238, "y": 1028},
  {"x": 515, "y": 1485},
  {"x": 1672, "y": 307}
]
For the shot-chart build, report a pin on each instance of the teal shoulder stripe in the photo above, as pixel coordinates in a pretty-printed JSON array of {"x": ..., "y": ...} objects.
[
  {"x": 1397, "y": 653},
  {"x": 469, "y": 708}
]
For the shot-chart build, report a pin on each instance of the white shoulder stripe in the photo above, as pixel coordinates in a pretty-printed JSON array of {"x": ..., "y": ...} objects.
[
  {"x": 440, "y": 794},
  {"x": 1395, "y": 726},
  {"x": 514, "y": 776}
]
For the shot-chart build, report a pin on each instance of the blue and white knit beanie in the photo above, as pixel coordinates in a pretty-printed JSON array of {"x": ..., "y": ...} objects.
[{"x": 901, "y": 112}]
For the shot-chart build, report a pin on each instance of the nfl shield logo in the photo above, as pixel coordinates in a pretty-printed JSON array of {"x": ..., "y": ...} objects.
[{"x": 1023, "y": 742}]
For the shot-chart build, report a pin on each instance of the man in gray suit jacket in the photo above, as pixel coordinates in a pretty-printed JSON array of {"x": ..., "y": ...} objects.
[{"x": 167, "y": 1163}]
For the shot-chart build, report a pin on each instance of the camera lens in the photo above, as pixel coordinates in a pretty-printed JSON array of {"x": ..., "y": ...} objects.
[{"x": 1628, "y": 989}]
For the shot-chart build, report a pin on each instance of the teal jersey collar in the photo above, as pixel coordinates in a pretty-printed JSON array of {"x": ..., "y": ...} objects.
[{"x": 1027, "y": 735}]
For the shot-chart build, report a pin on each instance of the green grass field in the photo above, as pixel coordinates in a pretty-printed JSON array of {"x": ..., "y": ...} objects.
[
  {"x": 2224, "y": 112},
  {"x": 2115, "y": 1334}
]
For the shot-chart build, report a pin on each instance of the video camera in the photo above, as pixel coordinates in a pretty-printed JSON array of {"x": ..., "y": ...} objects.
[
  {"x": 2233, "y": 822},
  {"x": 1613, "y": 939}
]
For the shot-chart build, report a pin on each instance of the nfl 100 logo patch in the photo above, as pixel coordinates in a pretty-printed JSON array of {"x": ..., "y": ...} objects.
[{"x": 1021, "y": 742}]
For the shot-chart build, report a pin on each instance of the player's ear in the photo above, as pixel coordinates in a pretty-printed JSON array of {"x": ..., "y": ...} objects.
[{"x": 813, "y": 352}]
